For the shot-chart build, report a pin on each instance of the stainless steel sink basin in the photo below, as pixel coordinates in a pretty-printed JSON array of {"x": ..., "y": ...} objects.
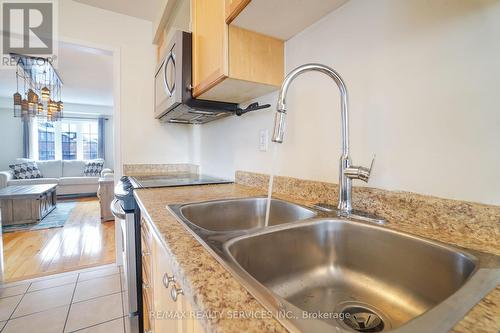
[
  {"x": 242, "y": 214},
  {"x": 333, "y": 274},
  {"x": 384, "y": 280}
]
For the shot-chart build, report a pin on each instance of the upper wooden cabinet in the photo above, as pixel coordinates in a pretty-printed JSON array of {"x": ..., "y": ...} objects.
[
  {"x": 281, "y": 19},
  {"x": 210, "y": 57},
  {"x": 232, "y": 64},
  {"x": 234, "y": 8},
  {"x": 238, "y": 45}
]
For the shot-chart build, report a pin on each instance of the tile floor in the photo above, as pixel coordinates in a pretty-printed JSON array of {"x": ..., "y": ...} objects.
[{"x": 87, "y": 301}]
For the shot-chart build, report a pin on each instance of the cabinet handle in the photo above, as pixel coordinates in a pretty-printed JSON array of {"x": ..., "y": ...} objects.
[
  {"x": 175, "y": 292},
  {"x": 145, "y": 286},
  {"x": 167, "y": 280},
  {"x": 145, "y": 253}
]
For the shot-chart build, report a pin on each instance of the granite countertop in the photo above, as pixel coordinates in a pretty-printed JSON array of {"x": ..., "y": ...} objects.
[{"x": 209, "y": 287}]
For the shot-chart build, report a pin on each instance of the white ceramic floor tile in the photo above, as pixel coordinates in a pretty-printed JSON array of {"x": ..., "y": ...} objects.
[
  {"x": 7, "y": 306},
  {"x": 114, "y": 326},
  {"x": 13, "y": 291},
  {"x": 50, "y": 321},
  {"x": 14, "y": 284},
  {"x": 98, "y": 273},
  {"x": 45, "y": 299},
  {"x": 94, "y": 311},
  {"x": 54, "y": 282},
  {"x": 53, "y": 276},
  {"x": 97, "y": 287}
]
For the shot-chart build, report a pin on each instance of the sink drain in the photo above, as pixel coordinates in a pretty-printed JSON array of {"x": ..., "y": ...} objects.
[{"x": 362, "y": 319}]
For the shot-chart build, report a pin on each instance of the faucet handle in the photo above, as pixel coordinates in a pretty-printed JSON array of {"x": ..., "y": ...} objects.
[{"x": 359, "y": 172}]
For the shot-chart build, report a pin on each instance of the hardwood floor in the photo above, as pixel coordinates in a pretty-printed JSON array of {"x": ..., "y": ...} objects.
[{"x": 83, "y": 242}]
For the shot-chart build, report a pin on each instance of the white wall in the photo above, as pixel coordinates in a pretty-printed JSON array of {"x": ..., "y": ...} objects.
[
  {"x": 143, "y": 139},
  {"x": 423, "y": 78},
  {"x": 11, "y": 138}
]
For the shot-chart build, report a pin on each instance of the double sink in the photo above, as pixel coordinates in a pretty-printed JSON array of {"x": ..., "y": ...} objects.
[{"x": 322, "y": 273}]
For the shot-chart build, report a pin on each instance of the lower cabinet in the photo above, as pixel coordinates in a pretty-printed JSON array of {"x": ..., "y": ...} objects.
[
  {"x": 166, "y": 308},
  {"x": 147, "y": 274}
]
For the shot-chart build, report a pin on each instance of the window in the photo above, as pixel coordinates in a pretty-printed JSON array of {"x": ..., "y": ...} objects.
[
  {"x": 68, "y": 141},
  {"x": 90, "y": 136},
  {"x": 46, "y": 141}
]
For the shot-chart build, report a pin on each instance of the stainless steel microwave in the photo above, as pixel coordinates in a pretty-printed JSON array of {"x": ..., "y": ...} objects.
[
  {"x": 174, "y": 74},
  {"x": 174, "y": 102}
]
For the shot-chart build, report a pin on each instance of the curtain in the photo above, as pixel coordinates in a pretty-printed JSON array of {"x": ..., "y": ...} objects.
[
  {"x": 26, "y": 139},
  {"x": 102, "y": 139}
]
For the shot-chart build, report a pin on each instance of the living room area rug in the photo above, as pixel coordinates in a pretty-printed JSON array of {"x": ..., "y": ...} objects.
[{"x": 56, "y": 219}]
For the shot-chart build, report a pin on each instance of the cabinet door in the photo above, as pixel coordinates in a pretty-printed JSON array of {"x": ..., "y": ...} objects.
[
  {"x": 210, "y": 64},
  {"x": 166, "y": 309},
  {"x": 147, "y": 273},
  {"x": 191, "y": 325},
  {"x": 171, "y": 316},
  {"x": 146, "y": 311},
  {"x": 234, "y": 8}
]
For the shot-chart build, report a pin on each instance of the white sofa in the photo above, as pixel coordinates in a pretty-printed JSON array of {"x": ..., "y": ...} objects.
[{"x": 68, "y": 175}]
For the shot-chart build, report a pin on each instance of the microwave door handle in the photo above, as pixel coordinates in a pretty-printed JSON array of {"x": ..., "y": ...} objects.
[{"x": 165, "y": 79}]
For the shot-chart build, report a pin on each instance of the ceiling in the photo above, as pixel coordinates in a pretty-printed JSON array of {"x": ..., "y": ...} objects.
[
  {"x": 87, "y": 76},
  {"x": 141, "y": 9}
]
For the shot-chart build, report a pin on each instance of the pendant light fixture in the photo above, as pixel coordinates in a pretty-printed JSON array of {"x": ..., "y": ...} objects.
[
  {"x": 42, "y": 90},
  {"x": 17, "y": 98},
  {"x": 32, "y": 102},
  {"x": 45, "y": 94},
  {"x": 32, "y": 97},
  {"x": 39, "y": 109},
  {"x": 25, "y": 110}
]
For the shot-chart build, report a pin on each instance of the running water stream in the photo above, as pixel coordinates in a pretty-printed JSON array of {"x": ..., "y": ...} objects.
[{"x": 274, "y": 152}]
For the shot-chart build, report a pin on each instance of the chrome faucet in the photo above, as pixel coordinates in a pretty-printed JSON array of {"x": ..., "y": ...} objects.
[{"x": 347, "y": 171}]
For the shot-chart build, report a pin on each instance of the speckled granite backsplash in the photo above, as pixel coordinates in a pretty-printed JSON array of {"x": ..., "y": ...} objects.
[
  {"x": 472, "y": 225},
  {"x": 158, "y": 169}
]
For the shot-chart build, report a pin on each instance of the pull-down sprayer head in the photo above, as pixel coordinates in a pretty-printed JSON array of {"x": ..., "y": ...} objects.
[{"x": 279, "y": 126}]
